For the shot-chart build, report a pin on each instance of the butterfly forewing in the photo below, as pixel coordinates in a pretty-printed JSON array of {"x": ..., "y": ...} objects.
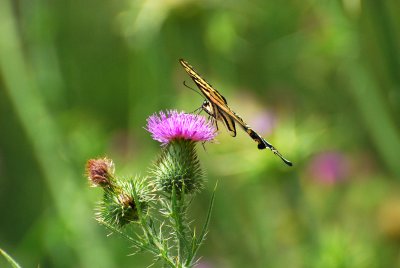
[{"x": 208, "y": 91}]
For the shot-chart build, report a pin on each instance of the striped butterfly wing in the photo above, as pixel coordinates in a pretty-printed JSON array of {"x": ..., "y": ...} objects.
[
  {"x": 261, "y": 142},
  {"x": 218, "y": 114},
  {"x": 218, "y": 108},
  {"x": 208, "y": 91},
  {"x": 215, "y": 99}
]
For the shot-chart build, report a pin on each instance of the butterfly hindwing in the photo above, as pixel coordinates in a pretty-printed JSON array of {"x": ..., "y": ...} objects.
[
  {"x": 218, "y": 114},
  {"x": 229, "y": 123}
]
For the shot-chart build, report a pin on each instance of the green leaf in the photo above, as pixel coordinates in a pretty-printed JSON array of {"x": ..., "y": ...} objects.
[{"x": 198, "y": 241}]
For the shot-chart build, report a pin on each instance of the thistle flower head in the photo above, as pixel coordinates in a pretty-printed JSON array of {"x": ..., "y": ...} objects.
[
  {"x": 178, "y": 166},
  {"x": 100, "y": 171},
  {"x": 173, "y": 125}
]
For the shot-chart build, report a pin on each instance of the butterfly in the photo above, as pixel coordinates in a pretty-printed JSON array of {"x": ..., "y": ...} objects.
[{"x": 217, "y": 107}]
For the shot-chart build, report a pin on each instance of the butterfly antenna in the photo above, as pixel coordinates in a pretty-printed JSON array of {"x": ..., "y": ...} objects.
[
  {"x": 198, "y": 110},
  {"x": 184, "y": 83}
]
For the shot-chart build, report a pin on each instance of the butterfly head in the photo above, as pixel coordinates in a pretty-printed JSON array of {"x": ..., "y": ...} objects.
[{"x": 207, "y": 107}]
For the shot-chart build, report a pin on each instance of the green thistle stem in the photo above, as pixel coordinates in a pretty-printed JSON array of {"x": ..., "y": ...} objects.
[{"x": 178, "y": 212}]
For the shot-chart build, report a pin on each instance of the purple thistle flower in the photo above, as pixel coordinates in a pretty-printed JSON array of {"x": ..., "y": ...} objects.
[{"x": 179, "y": 125}]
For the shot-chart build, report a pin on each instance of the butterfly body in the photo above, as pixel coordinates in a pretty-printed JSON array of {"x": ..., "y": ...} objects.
[{"x": 217, "y": 107}]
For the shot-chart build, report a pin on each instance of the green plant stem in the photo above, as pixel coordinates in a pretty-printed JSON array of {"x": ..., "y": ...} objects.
[
  {"x": 160, "y": 249},
  {"x": 46, "y": 139},
  {"x": 177, "y": 214},
  {"x": 10, "y": 260},
  {"x": 376, "y": 116},
  {"x": 129, "y": 238}
]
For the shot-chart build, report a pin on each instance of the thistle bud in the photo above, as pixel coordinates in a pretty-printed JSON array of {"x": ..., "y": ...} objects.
[
  {"x": 123, "y": 203},
  {"x": 100, "y": 171}
]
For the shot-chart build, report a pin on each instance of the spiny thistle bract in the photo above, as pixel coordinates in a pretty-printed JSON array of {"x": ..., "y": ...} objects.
[
  {"x": 178, "y": 166},
  {"x": 123, "y": 202}
]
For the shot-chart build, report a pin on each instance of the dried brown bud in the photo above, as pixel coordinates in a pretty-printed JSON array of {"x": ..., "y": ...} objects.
[
  {"x": 100, "y": 171},
  {"x": 126, "y": 201}
]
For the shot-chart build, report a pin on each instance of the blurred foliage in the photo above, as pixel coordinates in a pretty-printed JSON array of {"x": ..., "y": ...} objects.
[{"x": 319, "y": 79}]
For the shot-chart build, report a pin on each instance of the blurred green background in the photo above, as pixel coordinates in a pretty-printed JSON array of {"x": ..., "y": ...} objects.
[{"x": 319, "y": 79}]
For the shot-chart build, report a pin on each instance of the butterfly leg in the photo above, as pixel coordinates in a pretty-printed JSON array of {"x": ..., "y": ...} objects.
[
  {"x": 204, "y": 147},
  {"x": 214, "y": 121},
  {"x": 197, "y": 111}
]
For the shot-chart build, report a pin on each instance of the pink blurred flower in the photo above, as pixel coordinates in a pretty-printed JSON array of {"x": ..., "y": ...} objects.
[
  {"x": 173, "y": 125},
  {"x": 264, "y": 122},
  {"x": 329, "y": 167}
]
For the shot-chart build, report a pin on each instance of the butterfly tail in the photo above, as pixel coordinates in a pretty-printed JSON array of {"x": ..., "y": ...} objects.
[{"x": 263, "y": 144}]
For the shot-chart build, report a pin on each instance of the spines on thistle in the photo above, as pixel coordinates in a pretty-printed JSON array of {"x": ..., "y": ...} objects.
[
  {"x": 178, "y": 167},
  {"x": 122, "y": 203},
  {"x": 123, "y": 200}
]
